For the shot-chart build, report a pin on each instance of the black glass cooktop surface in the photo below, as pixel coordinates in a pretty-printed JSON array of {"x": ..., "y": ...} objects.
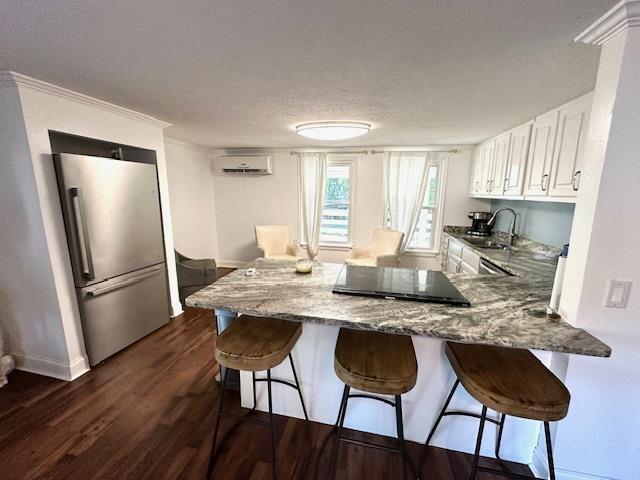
[{"x": 399, "y": 284}]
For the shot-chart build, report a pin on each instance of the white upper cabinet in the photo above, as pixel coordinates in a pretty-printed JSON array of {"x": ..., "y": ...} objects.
[
  {"x": 497, "y": 178},
  {"x": 488, "y": 151},
  {"x": 567, "y": 158},
  {"x": 517, "y": 160},
  {"x": 539, "y": 160},
  {"x": 476, "y": 171},
  {"x": 543, "y": 137}
]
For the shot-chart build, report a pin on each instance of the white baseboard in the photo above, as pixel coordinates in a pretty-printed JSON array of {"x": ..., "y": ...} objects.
[
  {"x": 51, "y": 368},
  {"x": 540, "y": 469},
  {"x": 176, "y": 310},
  {"x": 79, "y": 367},
  {"x": 231, "y": 263},
  {"x": 539, "y": 465}
]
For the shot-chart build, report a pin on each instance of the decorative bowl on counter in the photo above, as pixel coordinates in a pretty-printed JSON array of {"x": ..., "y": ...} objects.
[{"x": 304, "y": 265}]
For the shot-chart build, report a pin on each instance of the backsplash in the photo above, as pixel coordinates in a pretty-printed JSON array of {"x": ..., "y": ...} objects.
[{"x": 544, "y": 222}]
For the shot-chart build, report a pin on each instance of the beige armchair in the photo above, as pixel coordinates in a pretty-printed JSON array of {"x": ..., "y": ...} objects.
[
  {"x": 274, "y": 242},
  {"x": 384, "y": 250}
]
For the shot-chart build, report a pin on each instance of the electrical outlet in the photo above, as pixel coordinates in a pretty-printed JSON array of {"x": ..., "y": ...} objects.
[{"x": 617, "y": 294}]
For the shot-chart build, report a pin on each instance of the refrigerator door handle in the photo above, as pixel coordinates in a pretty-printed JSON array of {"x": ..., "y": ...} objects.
[
  {"x": 100, "y": 291},
  {"x": 82, "y": 233}
]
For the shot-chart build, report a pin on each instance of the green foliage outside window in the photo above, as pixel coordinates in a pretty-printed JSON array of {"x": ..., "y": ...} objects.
[{"x": 336, "y": 191}]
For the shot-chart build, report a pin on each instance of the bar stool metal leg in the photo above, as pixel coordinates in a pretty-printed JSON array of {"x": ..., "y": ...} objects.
[
  {"x": 295, "y": 377},
  {"x": 255, "y": 401},
  {"x": 212, "y": 455},
  {"x": 499, "y": 439},
  {"x": 476, "y": 456},
  {"x": 400, "y": 431},
  {"x": 442, "y": 412},
  {"x": 547, "y": 435},
  {"x": 341, "y": 415},
  {"x": 273, "y": 434}
]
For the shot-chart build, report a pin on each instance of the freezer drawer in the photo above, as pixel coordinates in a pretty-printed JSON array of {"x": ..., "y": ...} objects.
[
  {"x": 112, "y": 216},
  {"x": 122, "y": 310}
]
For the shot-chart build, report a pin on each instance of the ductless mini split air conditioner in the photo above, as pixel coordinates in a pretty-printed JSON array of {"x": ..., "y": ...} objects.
[{"x": 244, "y": 164}]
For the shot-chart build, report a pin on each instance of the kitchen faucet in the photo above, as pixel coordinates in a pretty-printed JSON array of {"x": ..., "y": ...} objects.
[{"x": 512, "y": 229}]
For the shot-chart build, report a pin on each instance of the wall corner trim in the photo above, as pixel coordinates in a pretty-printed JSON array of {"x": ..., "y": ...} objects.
[
  {"x": 52, "y": 368},
  {"x": 13, "y": 79},
  {"x": 623, "y": 15}
]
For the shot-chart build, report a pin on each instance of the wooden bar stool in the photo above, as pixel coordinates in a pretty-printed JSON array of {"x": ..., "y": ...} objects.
[
  {"x": 510, "y": 382},
  {"x": 374, "y": 362},
  {"x": 255, "y": 344}
]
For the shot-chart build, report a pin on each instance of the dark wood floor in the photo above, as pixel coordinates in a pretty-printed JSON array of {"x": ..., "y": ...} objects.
[{"x": 148, "y": 412}]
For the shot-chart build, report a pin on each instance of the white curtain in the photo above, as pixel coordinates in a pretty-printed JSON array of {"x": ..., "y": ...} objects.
[
  {"x": 313, "y": 167},
  {"x": 405, "y": 182}
]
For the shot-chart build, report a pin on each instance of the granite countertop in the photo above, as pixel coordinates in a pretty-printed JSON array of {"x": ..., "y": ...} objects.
[
  {"x": 506, "y": 311},
  {"x": 528, "y": 259}
]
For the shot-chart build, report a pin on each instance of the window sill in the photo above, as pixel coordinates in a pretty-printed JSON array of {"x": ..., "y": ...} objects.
[
  {"x": 338, "y": 247},
  {"x": 422, "y": 253}
]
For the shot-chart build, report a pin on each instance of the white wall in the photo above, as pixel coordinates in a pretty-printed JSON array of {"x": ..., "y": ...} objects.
[
  {"x": 43, "y": 322},
  {"x": 599, "y": 438},
  {"x": 190, "y": 178},
  {"x": 243, "y": 202}
]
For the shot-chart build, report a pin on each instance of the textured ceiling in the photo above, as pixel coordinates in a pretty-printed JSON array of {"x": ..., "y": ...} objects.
[{"x": 238, "y": 73}]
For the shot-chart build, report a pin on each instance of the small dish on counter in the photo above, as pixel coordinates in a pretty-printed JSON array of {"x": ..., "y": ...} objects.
[{"x": 304, "y": 265}]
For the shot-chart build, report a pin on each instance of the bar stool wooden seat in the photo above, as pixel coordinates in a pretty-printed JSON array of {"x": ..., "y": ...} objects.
[
  {"x": 256, "y": 344},
  {"x": 374, "y": 362},
  {"x": 511, "y": 382}
]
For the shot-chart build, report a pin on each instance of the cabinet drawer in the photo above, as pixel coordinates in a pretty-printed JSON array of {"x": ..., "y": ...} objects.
[
  {"x": 467, "y": 268},
  {"x": 455, "y": 248},
  {"x": 471, "y": 258}
]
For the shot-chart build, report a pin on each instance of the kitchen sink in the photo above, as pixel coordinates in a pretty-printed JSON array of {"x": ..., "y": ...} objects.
[{"x": 489, "y": 244}]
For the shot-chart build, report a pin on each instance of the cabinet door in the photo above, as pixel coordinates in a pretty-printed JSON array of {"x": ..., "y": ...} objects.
[
  {"x": 543, "y": 138},
  {"x": 567, "y": 158},
  {"x": 476, "y": 171},
  {"x": 517, "y": 161},
  {"x": 453, "y": 264},
  {"x": 497, "y": 180},
  {"x": 466, "y": 268},
  {"x": 488, "y": 159}
]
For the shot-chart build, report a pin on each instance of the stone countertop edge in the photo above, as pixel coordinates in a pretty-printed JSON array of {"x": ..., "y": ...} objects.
[{"x": 506, "y": 311}]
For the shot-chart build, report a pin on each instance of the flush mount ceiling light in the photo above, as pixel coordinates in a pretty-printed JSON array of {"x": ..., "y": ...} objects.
[{"x": 332, "y": 130}]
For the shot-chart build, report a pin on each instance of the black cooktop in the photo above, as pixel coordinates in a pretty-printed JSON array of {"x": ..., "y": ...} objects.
[{"x": 399, "y": 284}]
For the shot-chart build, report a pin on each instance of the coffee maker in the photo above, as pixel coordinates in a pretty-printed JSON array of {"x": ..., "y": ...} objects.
[{"x": 479, "y": 225}]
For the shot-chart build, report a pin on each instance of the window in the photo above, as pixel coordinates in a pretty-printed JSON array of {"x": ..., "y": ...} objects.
[
  {"x": 426, "y": 235},
  {"x": 335, "y": 225}
]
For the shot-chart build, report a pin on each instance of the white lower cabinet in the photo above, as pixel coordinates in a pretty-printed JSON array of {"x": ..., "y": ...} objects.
[
  {"x": 467, "y": 268},
  {"x": 459, "y": 258},
  {"x": 453, "y": 264}
]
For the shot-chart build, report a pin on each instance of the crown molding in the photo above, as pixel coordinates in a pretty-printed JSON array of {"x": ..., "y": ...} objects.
[
  {"x": 624, "y": 15},
  {"x": 13, "y": 79},
  {"x": 187, "y": 145}
]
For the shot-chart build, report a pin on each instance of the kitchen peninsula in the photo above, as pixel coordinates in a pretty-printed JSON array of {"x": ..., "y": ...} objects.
[{"x": 505, "y": 311}]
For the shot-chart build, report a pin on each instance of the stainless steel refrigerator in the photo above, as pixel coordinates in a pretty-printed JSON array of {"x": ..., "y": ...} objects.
[{"x": 113, "y": 221}]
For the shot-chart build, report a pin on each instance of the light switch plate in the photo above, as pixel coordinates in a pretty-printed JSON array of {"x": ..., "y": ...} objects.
[{"x": 617, "y": 294}]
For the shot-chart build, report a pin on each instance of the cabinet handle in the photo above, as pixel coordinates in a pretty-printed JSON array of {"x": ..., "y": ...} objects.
[
  {"x": 458, "y": 267},
  {"x": 542, "y": 182},
  {"x": 574, "y": 180},
  {"x": 505, "y": 185},
  {"x": 477, "y": 185},
  {"x": 488, "y": 188}
]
